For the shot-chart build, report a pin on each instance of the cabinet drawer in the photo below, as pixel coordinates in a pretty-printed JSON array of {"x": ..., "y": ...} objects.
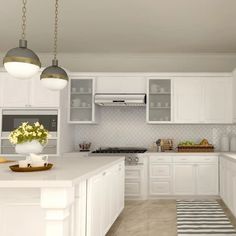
[
  {"x": 196, "y": 159},
  {"x": 183, "y": 159},
  {"x": 160, "y": 159},
  {"x": 157, "y": 170},
  {"x": 207, "y": 159},
  {"x": 160, "y": 187},
  {"x": 132, "y": 188},
  {"x": 132, "y": 174}
]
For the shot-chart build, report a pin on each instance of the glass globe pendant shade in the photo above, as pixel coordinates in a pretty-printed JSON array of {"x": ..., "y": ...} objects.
[
  {"x": 54, "y": 77},
  {"x": 21, "y": 62}
]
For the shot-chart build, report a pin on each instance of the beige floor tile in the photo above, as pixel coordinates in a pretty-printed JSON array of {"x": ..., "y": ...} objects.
[{"x": 150, "y": 218}]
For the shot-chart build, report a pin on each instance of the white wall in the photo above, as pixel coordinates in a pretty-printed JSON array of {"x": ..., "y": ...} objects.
[{"x": 144, "y": 62}]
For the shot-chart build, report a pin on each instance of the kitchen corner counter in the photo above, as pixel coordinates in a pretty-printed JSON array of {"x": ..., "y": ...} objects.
[
  {"x": 231, "y": 156},
  {"x": 66, "y": 172},
  {"x": 185, "y": 153}
]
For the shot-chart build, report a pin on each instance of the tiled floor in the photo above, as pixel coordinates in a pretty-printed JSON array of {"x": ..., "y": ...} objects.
[{"x": 150, "y": 218}]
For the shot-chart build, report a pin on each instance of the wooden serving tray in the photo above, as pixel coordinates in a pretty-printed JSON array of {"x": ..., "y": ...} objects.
[
  {"x": 16, "y": 168},
  {"x": 196, "y": 148}
]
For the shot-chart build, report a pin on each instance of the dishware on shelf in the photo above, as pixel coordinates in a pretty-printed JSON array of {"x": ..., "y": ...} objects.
[
  {"x": 159, "y": 104},
  {"x": 167, "y": 104},
  {"x": 84, "y": 104},
  {"x": 76, "y": 102},
  {"x": 89, "y": 90},
  {"x": 16, "y": 168},
  {"x": 152, "y": 104},
  {"x": 162, "y": 90},
  {"x": 155, "y": 88},
  {"x": 81, "y": 89},
  {"x": 73, "y": 90}
]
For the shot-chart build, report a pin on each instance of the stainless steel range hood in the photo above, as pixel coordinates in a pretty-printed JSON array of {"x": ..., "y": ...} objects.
[{"x": 120, "y": 99}]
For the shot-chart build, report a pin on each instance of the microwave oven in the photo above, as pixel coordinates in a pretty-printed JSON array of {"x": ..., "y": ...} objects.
[{"x": 11, "y": 119}]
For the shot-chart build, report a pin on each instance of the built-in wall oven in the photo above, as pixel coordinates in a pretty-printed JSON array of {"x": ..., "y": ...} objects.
[{"x": 12, "y": 118}]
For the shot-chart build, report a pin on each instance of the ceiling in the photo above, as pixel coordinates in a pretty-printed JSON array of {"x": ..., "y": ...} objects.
[{"x": 124, "y": 26}]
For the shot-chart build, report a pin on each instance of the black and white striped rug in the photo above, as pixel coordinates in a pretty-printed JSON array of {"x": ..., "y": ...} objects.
[{"x": 202, "y": 218}]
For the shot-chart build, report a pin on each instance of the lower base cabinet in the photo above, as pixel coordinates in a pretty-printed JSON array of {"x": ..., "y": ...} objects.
[
  {"x": 184, "y": 179},
  {"x": 105, "y": 199},
  {"x": 228, "y": 183},
  {"x": 183, "y": 175}
]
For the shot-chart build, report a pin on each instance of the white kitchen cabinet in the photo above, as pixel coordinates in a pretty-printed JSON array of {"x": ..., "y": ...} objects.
[
  {"x": 159, "y": 100},
  {"x": 81, "y": 100},
  {"x": 203, "y": 99},
  {"x": 105, "y": 199},
  {"x": 160, "y": 175},
  {"x": 196, "y": 175},
  {"x": 228, "y": 182},
  {"x": 135, "y": 182},
  {"x": 207, "y": 179},
  {"x": 184, "y": 179},
  {"x": 218, "y": 100},
  {"x": 26, "y": 93},
  {"x": 14, "y": 92},
  {"x": 183, "y": 175},
  {"x": 41, "y": 96},
  {"x": 188, "y": 100},
  {"x": 120, "y": 84}
]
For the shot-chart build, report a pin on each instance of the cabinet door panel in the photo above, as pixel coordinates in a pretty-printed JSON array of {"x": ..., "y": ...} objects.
[
  {"x": 188, "y": 100},
  {"x": 15, "y": 92},
  {"x": 207, "y": 179},
  {"x": 41, "y": 96},
  {"x": 218, "y": 100},
  {"x": 95, "y": 206},
  {"x": 184, "y": 179},
  {"x": 160, "y": 187}
]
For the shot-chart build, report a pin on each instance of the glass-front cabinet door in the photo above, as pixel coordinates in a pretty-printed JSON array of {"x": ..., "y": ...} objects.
[
  {"x": 81, "y": 100},
  {"x": 159, "y": 100}
]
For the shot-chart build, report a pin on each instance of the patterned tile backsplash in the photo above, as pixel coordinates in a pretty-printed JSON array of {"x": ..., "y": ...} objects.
[{"x": 126, "y": 126}]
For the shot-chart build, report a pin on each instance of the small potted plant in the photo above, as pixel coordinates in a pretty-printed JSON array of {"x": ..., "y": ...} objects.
[{"x": 29, "y": 138}]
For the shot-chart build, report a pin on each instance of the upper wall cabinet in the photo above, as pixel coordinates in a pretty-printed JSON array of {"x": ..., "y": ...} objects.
[
  {"x": 81, "y": 100},
  {"x": 218, "y": 100},
  {"x": 188, "y": 100},
  {"x": 120, "y": 84},
  {"x": 203, "y": 100},
  {"x": 159, "y": 100},
  {"x": 26, "y": 93}
]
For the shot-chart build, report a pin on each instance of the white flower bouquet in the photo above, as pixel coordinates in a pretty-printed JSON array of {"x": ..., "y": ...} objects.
[{"x": 29, "y": 132}]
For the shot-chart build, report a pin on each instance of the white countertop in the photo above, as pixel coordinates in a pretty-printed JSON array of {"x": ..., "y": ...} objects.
[
  {"x": 66, "y": 172},
  {"x": 230, "y": 155},
  {"x": 189, "y": 153}
]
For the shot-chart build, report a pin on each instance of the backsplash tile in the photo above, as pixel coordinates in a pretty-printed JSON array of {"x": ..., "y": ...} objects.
[{"x": 126, "y": 126}]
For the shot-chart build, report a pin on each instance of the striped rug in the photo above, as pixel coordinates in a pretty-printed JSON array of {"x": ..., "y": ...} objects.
[{"x": 202, "y": 218}]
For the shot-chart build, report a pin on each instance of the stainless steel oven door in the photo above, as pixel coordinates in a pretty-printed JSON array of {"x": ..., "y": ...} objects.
[{"x": 11, "y": 119}]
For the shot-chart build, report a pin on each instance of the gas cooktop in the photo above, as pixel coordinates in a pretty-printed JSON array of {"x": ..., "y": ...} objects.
[{"x": 120, "y": 150}]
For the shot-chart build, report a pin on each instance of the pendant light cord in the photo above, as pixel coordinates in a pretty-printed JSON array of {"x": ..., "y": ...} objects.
[
  {"x": 23, "y": 19},
  {"x": 55, "y": 30}
]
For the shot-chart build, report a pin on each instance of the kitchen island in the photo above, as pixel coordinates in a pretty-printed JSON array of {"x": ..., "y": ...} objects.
[{"x": 77, "y": 197}]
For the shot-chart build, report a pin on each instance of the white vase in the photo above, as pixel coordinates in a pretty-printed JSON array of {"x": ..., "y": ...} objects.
[{"x": 29, "y": 147}]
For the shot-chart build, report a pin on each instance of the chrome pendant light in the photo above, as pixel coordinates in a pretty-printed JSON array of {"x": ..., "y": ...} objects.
[
  {"x": 54, "y": 77},
  {"x": 22, "y": 62}
]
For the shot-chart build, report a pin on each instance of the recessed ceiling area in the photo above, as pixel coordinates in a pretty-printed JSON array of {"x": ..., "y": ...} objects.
[{"x": 124, "y": 26}]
